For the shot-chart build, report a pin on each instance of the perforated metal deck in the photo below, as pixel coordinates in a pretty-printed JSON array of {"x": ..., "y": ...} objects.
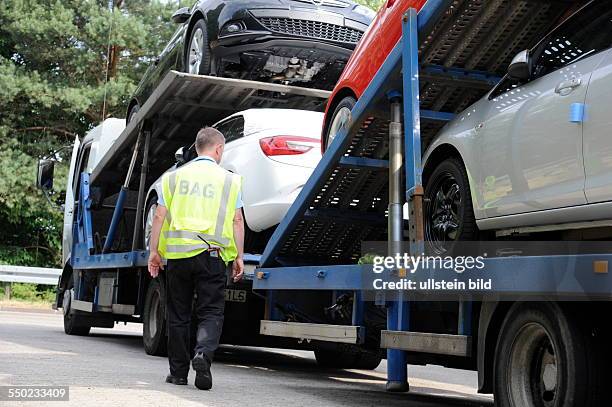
[{"x": 465, "y": 47}]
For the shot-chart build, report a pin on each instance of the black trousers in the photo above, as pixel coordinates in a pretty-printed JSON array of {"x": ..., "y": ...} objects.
[{"x": 206, "y": 277}]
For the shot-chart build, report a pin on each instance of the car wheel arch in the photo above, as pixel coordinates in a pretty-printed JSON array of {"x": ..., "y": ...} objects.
[
  {"x": 197, "y": 16},
  {"x": 437, "y": 155},
  {"x": 150, "y": 195},
  {"x": 440, "y": 153},
  {"x": 133, "y": 102},
  {"x": 341, "y": 94}
]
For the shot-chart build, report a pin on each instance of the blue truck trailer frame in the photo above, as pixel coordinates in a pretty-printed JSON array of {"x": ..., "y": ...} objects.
[
  {"x": 105, "y": 278},
  {"x": 299, "y": 274},
  {"x": 294, "y": 268}
]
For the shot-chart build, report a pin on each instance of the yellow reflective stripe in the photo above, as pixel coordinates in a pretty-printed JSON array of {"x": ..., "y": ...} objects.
[
  {"x": 227, "y": 188},
  {"x": 171, "y": 183},
  {"x": 187, "y": 234},
  {"x": 184, "y": 248}
]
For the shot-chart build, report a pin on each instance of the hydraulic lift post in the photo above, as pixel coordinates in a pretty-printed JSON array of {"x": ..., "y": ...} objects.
[{"x": 397, "y": 316}]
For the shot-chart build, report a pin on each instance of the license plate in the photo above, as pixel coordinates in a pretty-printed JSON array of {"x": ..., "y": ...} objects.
[{"x": 235, "y": 295}]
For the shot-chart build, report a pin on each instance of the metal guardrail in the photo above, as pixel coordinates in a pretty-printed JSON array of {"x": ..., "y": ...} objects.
[{"x": 36, "y": 275}]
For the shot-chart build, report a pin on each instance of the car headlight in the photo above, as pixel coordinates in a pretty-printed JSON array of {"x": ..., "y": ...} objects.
[
  {"x": 365, "y": 11},
  {"x": 233, "y": 27}
]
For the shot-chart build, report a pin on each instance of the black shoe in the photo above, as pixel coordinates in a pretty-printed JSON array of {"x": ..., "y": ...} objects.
[
  {"x": 181, "y": 381},
  {"x": 201, "y": 364}
]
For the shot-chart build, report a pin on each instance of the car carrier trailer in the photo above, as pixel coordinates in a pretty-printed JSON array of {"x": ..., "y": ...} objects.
[
  {"x": 105, "y": 278},
  {"x": 309, "y": 272},
  {"x": 531, "y": 344}
]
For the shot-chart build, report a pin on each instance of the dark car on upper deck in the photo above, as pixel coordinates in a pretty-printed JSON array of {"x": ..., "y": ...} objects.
[{"x": 299, "y": 42}]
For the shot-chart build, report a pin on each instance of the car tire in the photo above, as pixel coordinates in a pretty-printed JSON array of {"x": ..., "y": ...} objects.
[
  {"x": 133, "y": 110},
  {"x": 73, "y": 323},
  {"x": 545, "y": 357},
  {"x": 147, "y": 224},
  {"x": 340, "y": 117},
  {"x": 197, "y": 54},
  {"x": 448, "y": 212},
  {"x": 154, "y": 335}
]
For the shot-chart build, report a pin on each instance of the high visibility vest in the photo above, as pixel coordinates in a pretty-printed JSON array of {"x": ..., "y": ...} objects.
[{"x": 201, "y": 202}]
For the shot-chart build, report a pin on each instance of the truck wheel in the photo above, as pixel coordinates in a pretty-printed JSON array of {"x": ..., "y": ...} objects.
[
  {"x": 449, "y": 215},
  {"x": 148, "y": 221},
  {"x": 343, "y": 359},
  {"x": 73, "y": 324},
  {"x": 545, "y": 358},
  {"x": 341, "y": 116},
  {"x": 197, "y": 57},
  {"x": 154, "y": 335}
]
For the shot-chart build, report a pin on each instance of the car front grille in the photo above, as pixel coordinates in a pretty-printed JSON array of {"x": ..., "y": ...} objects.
[{"x": 312, "y": 29}]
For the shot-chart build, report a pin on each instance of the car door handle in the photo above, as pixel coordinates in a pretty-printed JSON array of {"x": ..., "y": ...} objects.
[{"x": 565, "y": 87}]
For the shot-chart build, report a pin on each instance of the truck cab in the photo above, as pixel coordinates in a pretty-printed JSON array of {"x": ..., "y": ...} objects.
[{"x": 86, "y": 154}]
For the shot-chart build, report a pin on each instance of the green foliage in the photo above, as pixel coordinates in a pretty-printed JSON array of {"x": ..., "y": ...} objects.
[
  {"x": 373, "y": 4},
  {"x": 55, "y": 86},
  {"x": 53, "y": 83},
  {"x": 367, "y": 258},
  {"x": 32, "y": 292}
]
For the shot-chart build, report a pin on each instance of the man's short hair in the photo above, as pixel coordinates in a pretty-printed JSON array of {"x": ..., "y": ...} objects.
[{"x": 207, "y": 138}]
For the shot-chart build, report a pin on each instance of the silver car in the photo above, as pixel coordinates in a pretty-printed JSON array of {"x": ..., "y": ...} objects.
[{"x": 537, "y": 149}]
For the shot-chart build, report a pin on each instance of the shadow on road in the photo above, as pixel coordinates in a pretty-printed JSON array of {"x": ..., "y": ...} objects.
[
  {"x": 115, "y": 360},
  {"x": 370, "y": 384}
]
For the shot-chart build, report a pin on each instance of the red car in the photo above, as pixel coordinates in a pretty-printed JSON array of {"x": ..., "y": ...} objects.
[{"x": 376, "y": 44}]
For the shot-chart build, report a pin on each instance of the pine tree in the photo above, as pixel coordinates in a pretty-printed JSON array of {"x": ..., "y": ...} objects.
[
  {"x": 65, "y": 65},
  {"x": 54, "y": 86}
]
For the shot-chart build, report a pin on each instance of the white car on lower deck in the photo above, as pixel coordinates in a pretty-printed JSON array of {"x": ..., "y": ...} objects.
[{"x": 275, "y": 151}]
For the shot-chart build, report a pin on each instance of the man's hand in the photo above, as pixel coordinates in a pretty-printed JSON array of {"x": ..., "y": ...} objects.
[
  {"x": 155, "y": 264},
  {"x": 237, "y": 269}
]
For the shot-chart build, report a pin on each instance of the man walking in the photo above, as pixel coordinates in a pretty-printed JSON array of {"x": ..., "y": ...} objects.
[{"x": 198, "y": 227}]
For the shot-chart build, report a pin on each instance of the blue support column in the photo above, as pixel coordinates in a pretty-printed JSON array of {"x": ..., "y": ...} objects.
[
  {"x": 84, "y": 214},
  {"x": 398, "y": 315},
  {"x": 398, "y": 318}
]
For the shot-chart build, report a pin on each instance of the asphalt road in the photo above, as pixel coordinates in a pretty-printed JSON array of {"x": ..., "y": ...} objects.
[{"x": 109, "y": 367}]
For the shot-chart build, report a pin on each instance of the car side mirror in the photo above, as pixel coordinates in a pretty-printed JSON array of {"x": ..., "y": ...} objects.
[
  {"x": 179, "y": 156},
  {"x": 181, "y": 15},
  {"x": 44, "y": 176},
  {"x": 520, "y": 67}
]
